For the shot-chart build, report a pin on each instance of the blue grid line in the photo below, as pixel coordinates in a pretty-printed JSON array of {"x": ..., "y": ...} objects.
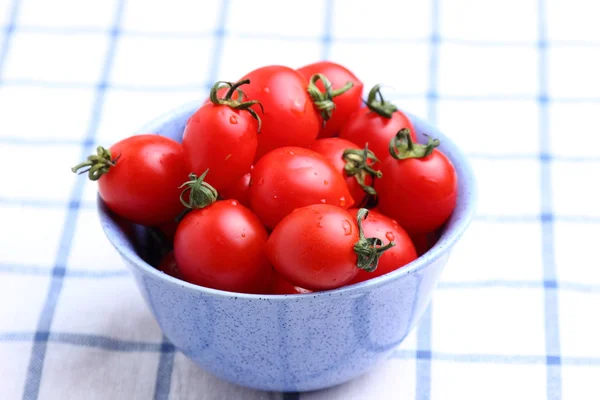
[
  {"x": 77, "y": 30},
  {"x": 195, "y": 86},
  {"x": 493, "y": 358},
  {"x": 327, "y": 30},
  {"x": 9, "y": 30},
  {"x": 118, "y": 345},
  {"x": 38, "y": 352},
  {"x": 553, "y": 369},
  {"x": 18, "y": 269},
  {"x": 162, "y": 387},
  {"x": 423, "y": 368}
]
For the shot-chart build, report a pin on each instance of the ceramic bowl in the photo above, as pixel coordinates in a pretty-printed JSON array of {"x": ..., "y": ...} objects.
[{"x": 294, "y": 342}]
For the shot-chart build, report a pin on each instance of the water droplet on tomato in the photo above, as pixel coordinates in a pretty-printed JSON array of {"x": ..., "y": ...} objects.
[
  {"x": 342, "y": 201},
  {"x": 260, "y": 182},
  {"x": 291, "y": 153},
  {"x": 347, "y": 227},
  {"x": 325, "y": 182},
  {"x": 233, "y": 120},
  {"x": 315, "y": 172},
  {"x": 390, "y": 236},
  {"x": 234, "y": 202},
  {"x": 274, "y": 197},
  {"x": 243, "y": 235},
  {"x": 266, "y": 90},
  {"x": 324, "y": 201}
]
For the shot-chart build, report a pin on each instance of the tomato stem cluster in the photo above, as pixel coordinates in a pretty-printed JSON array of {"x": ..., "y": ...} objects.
[
  {"x": 403, "y": 147},
  {"x": 324, "y": 100},
  {"x": 376, "y": 103},
  {"x": 368, "y": 250},
  {"x": 238, "y": 104},
  {"x": 201, "y": 193},
  {"x": 96, "y": 165},
  {"x": 358, "y": 165}
]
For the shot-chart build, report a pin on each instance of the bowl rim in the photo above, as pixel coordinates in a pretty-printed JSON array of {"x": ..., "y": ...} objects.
[{"x": 449, "y": 237}]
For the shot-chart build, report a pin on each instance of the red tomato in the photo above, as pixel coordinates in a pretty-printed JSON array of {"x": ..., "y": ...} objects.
[
  {"x": 313, "y": 247},
  {"x": 279, "y": 285},
  {"x": 223, "y": 247},
  {"x": 346, "y": 103},
  {"x": 291, "y": 177},
  {"x": 290, "y": 118},
  {"x": 169, "y": 266},
  {"x": 221, "y": 136},
  {"x": 355, "y": 167},
  {"x": 239, "y": 190},
  {"x": 387, "y": 230},
  {"x": 139, "y": 178},
  {"x": 321, "y": 247},
  {"x": 376, "y": 125},
  {"x": 419, "y": 191}
]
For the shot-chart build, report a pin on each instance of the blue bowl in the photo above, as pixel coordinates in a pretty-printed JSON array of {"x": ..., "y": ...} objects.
[{"x": 294, "y": 342}]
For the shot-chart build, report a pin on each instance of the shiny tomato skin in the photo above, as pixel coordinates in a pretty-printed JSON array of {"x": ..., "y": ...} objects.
[
  {"x": 292, "y": 177},
  {"x": 223, "y": 246},
  {"x": 388, "y": 230},
  {"x": 222, "y": 140},
  {"x": 313, "y": 247},
  {"x": 346, "y": 103},
  {"x": 333, "y": 149},
  {"x": 290, "y": 119},
  {"x": 367, "y": 127},
  {"x": 419, "y": 193},
  {"x": 279, "y": 285},
  {"x": 239, "y": 190},
  {"x": 168, "y": 265},
  {"x": 143, "y": 185}
]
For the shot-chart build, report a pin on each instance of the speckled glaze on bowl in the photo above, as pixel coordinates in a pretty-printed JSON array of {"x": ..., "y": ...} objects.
[{"x": 294, "y": 342}]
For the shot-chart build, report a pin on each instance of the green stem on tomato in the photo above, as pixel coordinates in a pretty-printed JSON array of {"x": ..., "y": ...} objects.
[
  {"x": 368, "y": 250},
  {"x": 358, "y": 165},
  {"x": 201, "y": 193},
  {"x": 238, "y": 104},
  {"x": 402, "y": 146},
  {"x": 324, "y": 100},
  {"x": 376, "y": 103},
  {"x": 97, "y": 164}
]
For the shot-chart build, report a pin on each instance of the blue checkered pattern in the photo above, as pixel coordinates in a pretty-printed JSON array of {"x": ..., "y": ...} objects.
[{"x": 515, "y": 83}]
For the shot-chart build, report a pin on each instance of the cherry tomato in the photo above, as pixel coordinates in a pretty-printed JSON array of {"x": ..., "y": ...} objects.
[
  {"x": 321, "y": 247},
  {"x": 221, "y": 136},
  {"x": 346, "y": 103},
  {"x": 291, "y": 177},
  {"x": 420, "y": 190},
  {"x": 313, "y": 247},
  {"x": 388, "y": 230},
  {"x": 168, "y": 265},
  {"x": 223, "y": 247},
  {"x": 139, "y": 178},
  {"x": 354, "y": 166},
  {"x": 375, "y": 125},
  {"x": 279, "y": 285},
  {"x": 239, "y": 190},
  {"x": 290, "y": 119}
]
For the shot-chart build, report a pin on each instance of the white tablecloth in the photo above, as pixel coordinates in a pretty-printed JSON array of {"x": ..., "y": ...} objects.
[{"x": 515, "y": 83}]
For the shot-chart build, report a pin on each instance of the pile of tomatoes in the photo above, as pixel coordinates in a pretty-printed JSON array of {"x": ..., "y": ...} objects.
[{"x": 285, "y": 182}]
